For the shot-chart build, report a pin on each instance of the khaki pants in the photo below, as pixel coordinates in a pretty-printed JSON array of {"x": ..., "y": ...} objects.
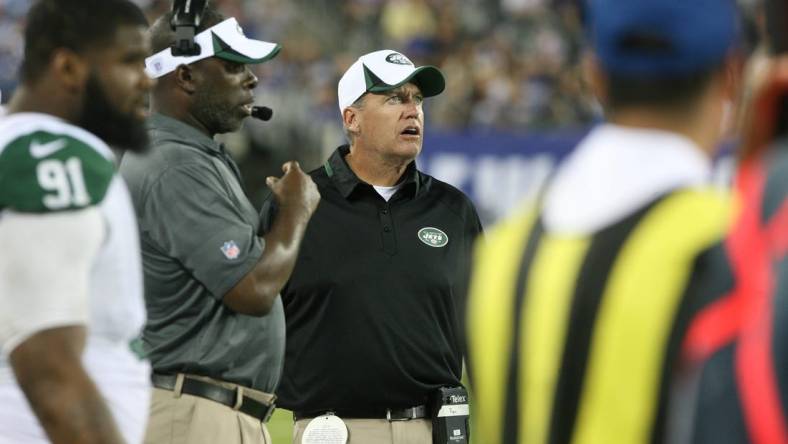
[
  {"x": 379, "y": 431},
  {"x": 177, "y": 418}
]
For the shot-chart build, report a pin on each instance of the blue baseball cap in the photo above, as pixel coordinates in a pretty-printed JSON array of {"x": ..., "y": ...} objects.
[{"x": 662, "y": 37}]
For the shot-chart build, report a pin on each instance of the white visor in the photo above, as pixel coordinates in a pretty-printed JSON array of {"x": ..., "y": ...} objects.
[
  {"x": 385, "y": 70},
  {"x": 225, "y": 40}
]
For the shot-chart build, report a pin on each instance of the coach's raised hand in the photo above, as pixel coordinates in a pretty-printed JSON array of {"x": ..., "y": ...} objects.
[
  {"x": 297, "y": 198},
  {"x": 294, "y": 191}
]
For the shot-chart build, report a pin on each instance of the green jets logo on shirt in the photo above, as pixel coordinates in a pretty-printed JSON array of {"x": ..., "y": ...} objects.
[{"x": 433, "y": 237}]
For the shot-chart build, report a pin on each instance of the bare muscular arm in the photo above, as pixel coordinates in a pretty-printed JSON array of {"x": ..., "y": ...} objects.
[{"x": 48, "y": 368}]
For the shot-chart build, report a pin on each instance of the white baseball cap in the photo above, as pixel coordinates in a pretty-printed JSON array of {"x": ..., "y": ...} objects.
[
  {"x": 225, "y": 40},
  {"x": 385, "y": 70}
]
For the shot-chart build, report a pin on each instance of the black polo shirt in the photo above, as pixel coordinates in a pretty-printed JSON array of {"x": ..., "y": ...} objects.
[{"x": 374, "y": 304}]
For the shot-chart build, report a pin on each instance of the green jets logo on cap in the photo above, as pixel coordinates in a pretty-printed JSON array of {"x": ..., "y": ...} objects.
[
  {"x": 433, "y": 237},
  {"x": 398, "y": 59}
]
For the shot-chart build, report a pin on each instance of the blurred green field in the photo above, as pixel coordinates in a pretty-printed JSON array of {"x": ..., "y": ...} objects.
[{"x": 281, "y": 427}]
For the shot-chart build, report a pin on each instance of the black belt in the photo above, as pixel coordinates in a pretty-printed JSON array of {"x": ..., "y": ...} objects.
[
  {"x": 216, "y": 393},
  {"x": 417, "y": 412}
]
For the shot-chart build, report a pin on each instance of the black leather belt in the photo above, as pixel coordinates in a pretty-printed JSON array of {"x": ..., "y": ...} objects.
[
  {"x": 417, "y": 412},
  {"x": 216, "y": 393}
]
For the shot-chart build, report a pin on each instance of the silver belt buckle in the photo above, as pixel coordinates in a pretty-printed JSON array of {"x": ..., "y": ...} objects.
[{"x": 411, "y": 415}]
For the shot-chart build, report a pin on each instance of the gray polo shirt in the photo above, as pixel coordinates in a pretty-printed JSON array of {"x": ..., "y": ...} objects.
[{"x": 198, "y": 235}]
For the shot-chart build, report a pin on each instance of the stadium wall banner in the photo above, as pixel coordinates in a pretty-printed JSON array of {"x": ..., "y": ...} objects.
[{"x": 499, "y": 171}]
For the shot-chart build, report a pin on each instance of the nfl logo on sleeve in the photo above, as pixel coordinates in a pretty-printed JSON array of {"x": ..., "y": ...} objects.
[{"x": 231, "y": 250}]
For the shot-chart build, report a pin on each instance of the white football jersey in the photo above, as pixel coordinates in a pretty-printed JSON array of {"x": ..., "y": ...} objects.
[{"x": 69, "y": 255}]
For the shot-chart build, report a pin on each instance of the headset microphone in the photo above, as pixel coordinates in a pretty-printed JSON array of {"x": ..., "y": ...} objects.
[{"x": 263, "y": 113}]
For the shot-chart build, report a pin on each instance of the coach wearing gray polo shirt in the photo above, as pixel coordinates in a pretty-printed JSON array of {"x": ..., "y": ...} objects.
[{"x": 215, "y": 329}]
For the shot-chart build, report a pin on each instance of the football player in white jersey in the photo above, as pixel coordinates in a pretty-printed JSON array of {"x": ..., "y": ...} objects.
[{"x": 70, "y": 276}]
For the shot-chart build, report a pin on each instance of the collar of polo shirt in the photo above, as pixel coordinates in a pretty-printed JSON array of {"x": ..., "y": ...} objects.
[{"x": 224, "y": 40}]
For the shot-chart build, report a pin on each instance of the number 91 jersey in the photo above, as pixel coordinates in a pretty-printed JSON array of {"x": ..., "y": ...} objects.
[{"x": 49, "y": 170}]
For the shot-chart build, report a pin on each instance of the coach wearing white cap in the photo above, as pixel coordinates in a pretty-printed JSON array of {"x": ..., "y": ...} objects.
[
  {"x": 373, "y": 305},
  {"x": 215, "y": 328}
]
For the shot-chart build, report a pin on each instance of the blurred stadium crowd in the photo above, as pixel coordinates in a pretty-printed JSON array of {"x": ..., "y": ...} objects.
[
  {"x": 515, "y": 61},
  {"x": 512, "y": 66}
]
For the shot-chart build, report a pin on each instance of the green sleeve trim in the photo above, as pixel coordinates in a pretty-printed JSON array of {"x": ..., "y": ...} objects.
[
  {"x": 44, "y": 172},
  {"x": 138, "y": 348}
]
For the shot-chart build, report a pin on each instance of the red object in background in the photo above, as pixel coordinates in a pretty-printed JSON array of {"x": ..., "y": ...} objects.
[{"x": 745, "y": 314}]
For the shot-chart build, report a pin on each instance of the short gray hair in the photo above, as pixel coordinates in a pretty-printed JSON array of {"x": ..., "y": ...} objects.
[{"x": 358, "y": 104}]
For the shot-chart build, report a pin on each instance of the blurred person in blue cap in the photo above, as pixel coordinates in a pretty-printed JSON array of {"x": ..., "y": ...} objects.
[
  {"x": 215, "y": 331},
  {"x": 578, "y": 303}
]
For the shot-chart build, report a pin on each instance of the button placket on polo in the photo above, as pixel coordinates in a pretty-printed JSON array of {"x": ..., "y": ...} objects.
[{"x": 387, "y": 229}]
